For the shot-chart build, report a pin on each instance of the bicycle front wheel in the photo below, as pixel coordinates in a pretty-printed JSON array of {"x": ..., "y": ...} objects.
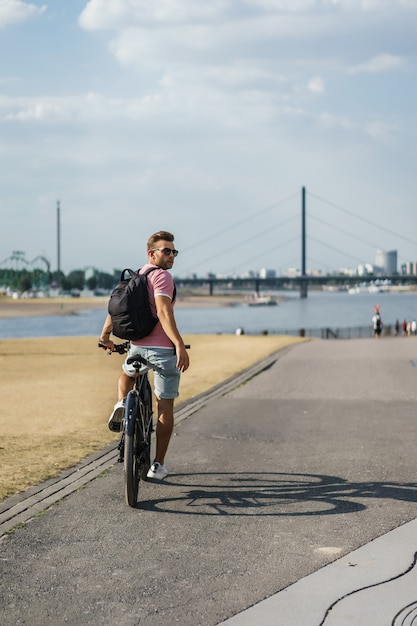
[{"x": 131, "y": 461}]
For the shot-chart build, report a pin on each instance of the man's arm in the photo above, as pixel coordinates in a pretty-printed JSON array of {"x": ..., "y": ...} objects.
[
  {"x": 166, "y": 317},
  {"x": 105, "y": 334}
]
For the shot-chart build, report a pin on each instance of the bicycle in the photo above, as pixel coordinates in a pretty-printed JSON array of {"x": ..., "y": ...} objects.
[{"x": 137, "y": 426}]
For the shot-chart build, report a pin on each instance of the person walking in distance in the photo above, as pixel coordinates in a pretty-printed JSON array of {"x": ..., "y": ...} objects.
[
  {"x": 164, "y": 347},
  {"x": 377, "y": 322}
]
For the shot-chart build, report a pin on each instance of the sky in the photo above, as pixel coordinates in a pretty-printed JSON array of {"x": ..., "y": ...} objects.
[{"x": 207, "y": 119}]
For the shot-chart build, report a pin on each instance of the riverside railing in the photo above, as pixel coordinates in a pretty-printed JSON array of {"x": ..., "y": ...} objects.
[{"x": 351, "y": 332}]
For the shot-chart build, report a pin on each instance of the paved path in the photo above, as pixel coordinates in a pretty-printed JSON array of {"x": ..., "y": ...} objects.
[{"x": 289, "y": 494}]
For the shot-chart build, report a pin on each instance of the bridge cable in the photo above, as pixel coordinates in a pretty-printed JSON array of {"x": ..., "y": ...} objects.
[
  {"x": 345, "y": 232},
  {"x": 245, "y": 219},
  {"x": 251, "y": 238},
  {"x": 364, "y": 219},
  {"x": 336, "y": 249},
  {"x": 253, "y": 258}
]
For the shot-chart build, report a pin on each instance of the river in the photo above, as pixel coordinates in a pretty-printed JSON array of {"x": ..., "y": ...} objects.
[{"x": 334, "y": 310}]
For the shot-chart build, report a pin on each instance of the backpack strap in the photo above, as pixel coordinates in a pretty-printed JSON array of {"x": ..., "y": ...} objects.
[{"x": 131, "y": 273}]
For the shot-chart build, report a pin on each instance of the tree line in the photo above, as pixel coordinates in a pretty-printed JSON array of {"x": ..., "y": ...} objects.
[{"x": 24, "y": 280}]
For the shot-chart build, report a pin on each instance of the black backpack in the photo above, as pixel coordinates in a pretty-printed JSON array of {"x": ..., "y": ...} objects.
[{"x": 129, "y": 306}]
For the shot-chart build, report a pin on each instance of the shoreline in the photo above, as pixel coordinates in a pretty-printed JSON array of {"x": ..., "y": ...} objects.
[{"x": 33, "y": 307}]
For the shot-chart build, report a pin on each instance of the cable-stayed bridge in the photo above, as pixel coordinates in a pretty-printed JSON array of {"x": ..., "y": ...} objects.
[
  {"x": 258, "y": 285},
  {"x": 303, "y": 278}
]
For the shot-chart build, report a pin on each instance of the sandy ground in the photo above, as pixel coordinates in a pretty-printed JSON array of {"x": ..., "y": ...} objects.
[
  {"x": 69, "y": 306},
  {"x": 57, "y": 395}
]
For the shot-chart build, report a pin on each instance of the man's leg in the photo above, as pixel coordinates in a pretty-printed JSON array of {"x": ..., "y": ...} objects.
[
  {"x": 124, "y": 385},
  {"x": 164, "y": 427}
]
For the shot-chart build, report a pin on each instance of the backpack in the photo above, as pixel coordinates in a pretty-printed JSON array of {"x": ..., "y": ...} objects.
[{"x": 129, "y": 306}]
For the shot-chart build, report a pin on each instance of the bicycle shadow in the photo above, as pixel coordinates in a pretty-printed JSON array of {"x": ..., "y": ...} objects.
[{"x": 271, "y": 494}]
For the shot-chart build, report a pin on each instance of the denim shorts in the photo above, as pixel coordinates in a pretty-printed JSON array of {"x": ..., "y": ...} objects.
[{"x": 166, "y": 374}]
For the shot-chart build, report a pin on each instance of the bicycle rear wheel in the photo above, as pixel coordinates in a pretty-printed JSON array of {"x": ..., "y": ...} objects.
[{"x": 131, "y": 461}]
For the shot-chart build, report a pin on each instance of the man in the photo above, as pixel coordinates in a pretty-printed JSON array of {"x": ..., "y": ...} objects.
[{"x": 163, "y": 347}]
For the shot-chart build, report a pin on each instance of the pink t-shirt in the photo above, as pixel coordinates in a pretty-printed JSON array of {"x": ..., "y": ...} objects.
[{"x": 160, "y": 283}]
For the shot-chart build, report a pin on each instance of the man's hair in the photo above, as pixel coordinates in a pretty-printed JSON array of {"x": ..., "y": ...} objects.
[{"x": 161, "y": 235}]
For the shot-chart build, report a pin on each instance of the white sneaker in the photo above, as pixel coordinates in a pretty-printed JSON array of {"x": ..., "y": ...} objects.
[
  {"x": 157, "y": 471},
  {"x": 115, "y": 419}
]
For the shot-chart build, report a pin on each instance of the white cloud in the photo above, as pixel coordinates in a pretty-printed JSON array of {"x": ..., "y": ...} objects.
[
  {"x": 371, "y": 5},
  {"x": 145, "y": 47},
  {"x": 257, "y": 34},
  {"x": 331, "y": 121},
  {"x": 116, "y": 14},
  {"x": 380, "y": 63},
  {"x": 14, "y": 11},
  {"x": 91, "y": 108},
  {"x": 285, "y": 6},
  {"x": 316, "y": 84},
  {"x": 241, "y": 73},
  {"x": 305, "y": 6},
  {"x": 380, "y": 130},
  {"x": 376, "y": 129},
  {"x": 258, "y": 39},
  {"x": 175, "y": 101}
]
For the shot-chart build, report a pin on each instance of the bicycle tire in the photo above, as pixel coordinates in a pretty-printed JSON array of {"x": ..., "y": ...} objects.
[{"x": 131, "y": 464}]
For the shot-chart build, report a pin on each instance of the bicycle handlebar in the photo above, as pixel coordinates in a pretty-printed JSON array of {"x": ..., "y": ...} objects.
[{"x": 122, "y": 348}]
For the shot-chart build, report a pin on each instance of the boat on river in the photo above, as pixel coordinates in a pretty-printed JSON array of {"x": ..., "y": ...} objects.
[
  {"x": 266, "y": 300},
  {"x": 375, "y": 286}
]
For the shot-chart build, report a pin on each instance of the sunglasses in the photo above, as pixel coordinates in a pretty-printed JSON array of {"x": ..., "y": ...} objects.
[{"x": 167, "y": 251}]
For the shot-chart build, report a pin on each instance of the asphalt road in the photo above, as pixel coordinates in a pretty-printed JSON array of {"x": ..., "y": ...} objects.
[{"x": 306, "y": 462}]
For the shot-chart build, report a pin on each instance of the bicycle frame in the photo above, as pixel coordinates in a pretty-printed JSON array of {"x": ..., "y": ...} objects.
[{"x": 139, "y": 391}]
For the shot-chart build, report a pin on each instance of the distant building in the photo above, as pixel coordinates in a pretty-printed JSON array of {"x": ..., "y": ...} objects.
[
  {"x": 292, "y": 272},
  {"x": 365, "y": 269},
  {"x": 386, "y": 262},
  {"x": 265, "y": 273},
  {"x": 347, "y": 271},
  {"x": 409, "y": 268}
]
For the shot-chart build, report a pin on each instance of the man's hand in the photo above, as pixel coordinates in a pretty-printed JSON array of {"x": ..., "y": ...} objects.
[
  {"x": 166, "y": 317},
  {"x": 183, "y": 360},
  {"x": 106, "y": 344}
]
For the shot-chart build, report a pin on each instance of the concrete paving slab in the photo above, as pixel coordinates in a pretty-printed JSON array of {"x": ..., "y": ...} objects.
[{"x": 374, "y": 585}]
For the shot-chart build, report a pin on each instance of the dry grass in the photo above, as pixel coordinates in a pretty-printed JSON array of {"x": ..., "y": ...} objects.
[{"x": 57, "y": 395}]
